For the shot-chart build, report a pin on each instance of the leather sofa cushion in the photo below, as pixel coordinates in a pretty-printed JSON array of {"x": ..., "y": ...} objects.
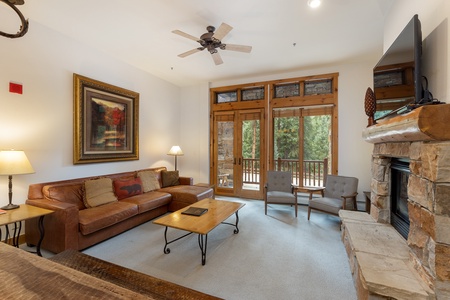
[
  {"x": 149, "y": 201},
  {"x": 70, "y": 193},
  {"x": 188, "y": 193},
  {"x": 96, "y": 218}
]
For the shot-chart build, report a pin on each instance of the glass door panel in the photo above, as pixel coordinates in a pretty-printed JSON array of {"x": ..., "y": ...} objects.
[
  {"x": 316, "y": 149},
  {"x": 302, "y": 144},
  {"x": 238, "y": 152},
  {"x": 286, "y": 146},
  {"x": 250, "y": 152},
  {"x": 224, "y": 148}
]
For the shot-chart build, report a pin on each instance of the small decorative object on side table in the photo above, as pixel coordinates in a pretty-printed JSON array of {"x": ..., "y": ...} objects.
[{"x": 370, "y": 106}]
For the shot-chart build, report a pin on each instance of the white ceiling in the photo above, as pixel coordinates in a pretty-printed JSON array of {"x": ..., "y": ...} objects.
[{"x": 139, "y": 32}]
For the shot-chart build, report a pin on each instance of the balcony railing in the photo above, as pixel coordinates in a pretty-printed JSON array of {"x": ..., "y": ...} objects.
[{"x": 312, "y": 173}]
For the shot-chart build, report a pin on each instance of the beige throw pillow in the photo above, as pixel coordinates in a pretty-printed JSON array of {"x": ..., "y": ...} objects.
[
  {"x": 98, "y": 192},
  {"x": 149, "y": 181}
]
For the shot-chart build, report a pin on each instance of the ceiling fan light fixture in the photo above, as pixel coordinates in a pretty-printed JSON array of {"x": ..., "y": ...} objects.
[{"x": 314, "y": 3}]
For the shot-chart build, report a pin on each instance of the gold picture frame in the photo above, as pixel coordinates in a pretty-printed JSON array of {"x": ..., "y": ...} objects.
[{"x": 106, "y": 122}]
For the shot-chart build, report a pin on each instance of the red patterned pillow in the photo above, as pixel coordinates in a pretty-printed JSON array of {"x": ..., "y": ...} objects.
[{"x": 127, "y": 188}]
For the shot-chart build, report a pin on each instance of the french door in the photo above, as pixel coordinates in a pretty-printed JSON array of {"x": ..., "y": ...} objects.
[
  {"x": 238, "y": 153},
  {"x": 302, "y": 143}
]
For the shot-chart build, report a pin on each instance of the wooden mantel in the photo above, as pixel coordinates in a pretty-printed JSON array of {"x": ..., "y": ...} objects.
[{"x": 426, "y": 123}]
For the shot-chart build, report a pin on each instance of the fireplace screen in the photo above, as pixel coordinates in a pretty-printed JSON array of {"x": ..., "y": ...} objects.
[{"x": 399, "y": 196}]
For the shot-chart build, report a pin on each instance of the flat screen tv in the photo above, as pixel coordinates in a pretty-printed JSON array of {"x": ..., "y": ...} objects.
[{"x": 398, "y": 74}]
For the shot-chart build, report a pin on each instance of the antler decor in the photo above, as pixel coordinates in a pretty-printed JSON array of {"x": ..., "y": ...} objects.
[{"x": 23, "y": 27}]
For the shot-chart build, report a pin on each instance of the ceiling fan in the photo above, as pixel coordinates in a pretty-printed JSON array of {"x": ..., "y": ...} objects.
[{"x": 212, "y": 41}]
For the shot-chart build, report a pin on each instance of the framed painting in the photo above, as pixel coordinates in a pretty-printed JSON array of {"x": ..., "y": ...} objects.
[{"x": 106, "y": 122}]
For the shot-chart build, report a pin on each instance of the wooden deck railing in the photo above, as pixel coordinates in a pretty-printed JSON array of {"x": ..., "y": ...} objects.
[{"x": 312, "y": 172}]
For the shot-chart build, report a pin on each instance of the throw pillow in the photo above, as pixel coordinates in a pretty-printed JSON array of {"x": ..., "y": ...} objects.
[
  {"x": 125, "y": 188},
  {"x": 98, "y": 192},
  {"x": 170, "y": 178},
  {"x": 149, "y": 181}
]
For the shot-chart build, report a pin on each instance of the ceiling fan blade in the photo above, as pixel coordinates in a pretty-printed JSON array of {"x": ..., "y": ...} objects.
[
  {"x": 187, "y": 53},
  {"x": 217, "y": 58},
  {"x": 222, "y": 31},
  {"x": 240, "y": 48},
  {"x": 186, "y": 35}
]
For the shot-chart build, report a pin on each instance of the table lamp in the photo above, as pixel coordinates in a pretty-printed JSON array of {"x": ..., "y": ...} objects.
[
  {"x": 13, "y": 162},
  {"x": 175, "y": 151}
]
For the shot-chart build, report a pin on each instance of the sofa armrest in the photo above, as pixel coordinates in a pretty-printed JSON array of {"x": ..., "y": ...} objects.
[
  {"x": 61, "y": 227},
  {"x": 186, "y": 181}
]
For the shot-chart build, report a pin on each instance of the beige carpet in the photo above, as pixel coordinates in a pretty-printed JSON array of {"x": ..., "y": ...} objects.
[{"x": 276, "y": 256}]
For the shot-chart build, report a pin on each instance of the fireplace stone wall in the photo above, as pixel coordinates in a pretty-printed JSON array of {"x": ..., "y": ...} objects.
[{"x": 428, "y": 204}]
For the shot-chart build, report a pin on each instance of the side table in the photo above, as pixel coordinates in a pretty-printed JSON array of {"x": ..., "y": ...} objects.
[{"x": 16, "y": 216}]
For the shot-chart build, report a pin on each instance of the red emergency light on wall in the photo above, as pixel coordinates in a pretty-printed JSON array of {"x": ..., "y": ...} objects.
[{"x": 15, "y": 88}]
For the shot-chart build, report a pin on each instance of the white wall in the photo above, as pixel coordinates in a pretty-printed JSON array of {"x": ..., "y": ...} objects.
[{"x": 40, "y": 121}]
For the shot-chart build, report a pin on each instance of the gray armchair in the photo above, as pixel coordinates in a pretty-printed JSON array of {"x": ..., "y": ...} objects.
[
  {"x": 279, "y": 189},
  {"x": 339, "y": 193}
]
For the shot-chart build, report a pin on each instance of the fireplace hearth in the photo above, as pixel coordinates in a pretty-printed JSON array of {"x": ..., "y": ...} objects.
[{"x": 421, "y": 139}]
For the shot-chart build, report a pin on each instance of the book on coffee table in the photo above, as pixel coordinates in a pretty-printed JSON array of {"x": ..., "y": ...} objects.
[{"x": 195, "y": 211}]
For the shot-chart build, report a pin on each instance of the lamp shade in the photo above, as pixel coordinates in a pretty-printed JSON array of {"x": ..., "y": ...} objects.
[
  {"x": 14, "y": 162},
  {"x": 176, "y": 151}
]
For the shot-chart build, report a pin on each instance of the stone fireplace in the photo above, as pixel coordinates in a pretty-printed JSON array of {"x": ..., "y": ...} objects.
[{"x": 421, "y": 137}]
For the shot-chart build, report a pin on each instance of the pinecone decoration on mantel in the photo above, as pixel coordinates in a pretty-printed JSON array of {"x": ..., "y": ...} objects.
[{"x": 370, "y": 106}]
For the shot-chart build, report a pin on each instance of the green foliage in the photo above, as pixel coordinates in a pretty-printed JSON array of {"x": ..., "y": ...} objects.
[
  {"x": 286, "y": 138},
  {"x": 316, "y": 141},
  {"x": 317, "y": 137},
  {"x": 251, "y": 139},
  {"x": 286, "y": 134}
]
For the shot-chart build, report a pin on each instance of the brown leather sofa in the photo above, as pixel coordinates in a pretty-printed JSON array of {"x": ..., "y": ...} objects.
[{"x": 74, "y": 226}]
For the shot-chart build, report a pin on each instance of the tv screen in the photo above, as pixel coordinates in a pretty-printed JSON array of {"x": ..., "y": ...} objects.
[{"x": 398, "y": 75}]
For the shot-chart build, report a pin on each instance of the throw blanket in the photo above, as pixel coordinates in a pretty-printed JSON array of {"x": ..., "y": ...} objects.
[{"x": 28, "y": 276}]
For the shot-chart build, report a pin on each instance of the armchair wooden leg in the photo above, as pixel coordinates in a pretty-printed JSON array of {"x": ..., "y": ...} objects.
[
  {"x": 296, "y": 209},
  {"x": 309, "y": 212}
]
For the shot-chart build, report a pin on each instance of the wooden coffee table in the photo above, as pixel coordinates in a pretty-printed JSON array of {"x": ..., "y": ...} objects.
[{"x": 218, "y": 212}]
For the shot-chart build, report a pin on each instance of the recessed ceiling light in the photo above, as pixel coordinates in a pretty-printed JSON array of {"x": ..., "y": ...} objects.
[{"x": 314, "y": 3}]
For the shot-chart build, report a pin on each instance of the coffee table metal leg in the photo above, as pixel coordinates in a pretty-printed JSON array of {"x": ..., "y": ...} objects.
[
  {"x": 166, "y": 249},
  {"x": 236, "y": 230},
  {"x": 203, "y": 243}
]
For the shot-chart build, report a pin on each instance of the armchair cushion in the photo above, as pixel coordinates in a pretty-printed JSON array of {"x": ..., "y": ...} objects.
[
  {"x": 339, "y": 193},
  {"x": 326, "y": 204},
  {"x": 279, "y": 189},
  {"x": 338, "y": 186},
  {"x": 280, "y": 197}
]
